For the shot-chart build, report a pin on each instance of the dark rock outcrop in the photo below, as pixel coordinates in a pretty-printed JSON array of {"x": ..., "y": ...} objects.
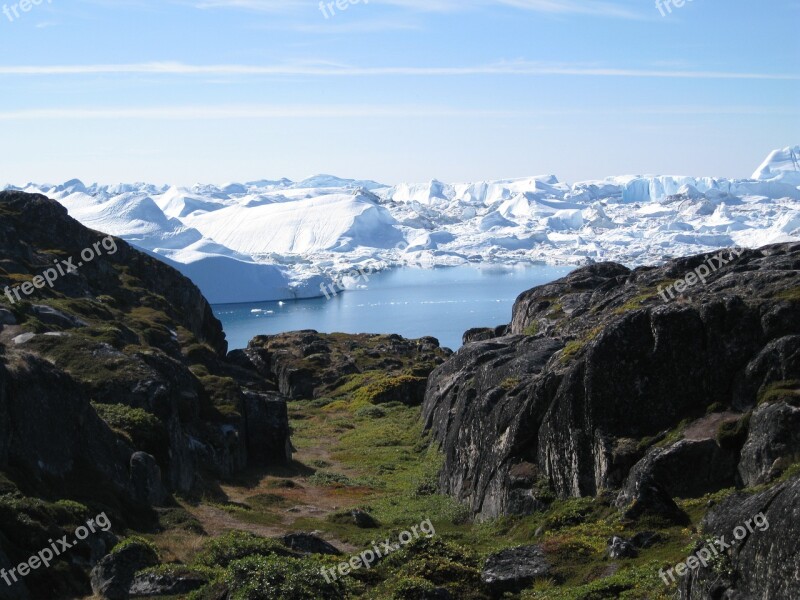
[
  {"x": 481, "y": 334},
  {"x": 363, "y": 519},
  {"x": 113, "y": 576},
  {"x": 268, "y": 435},
  {"x": 773, "y": 442},
  {"x": 514, "y": 569},
  {"x": 762, "y": 562},
  {"x": 621, "y": 548},
  {"x": 644, "y": 496},
  {"x": 146, "y": 480},
  {"x": 31, "y": 223},
  {"x": 48, "y": 440},
  {"x": 308, "y": 364},
  {"x": 115, "y": 389},
  {"x": 687, "y": 469},
  {"x": 597, "y": 363},
  {"x": 174, "y": 582},
  {"x": 17, "y": 590},
  {"x": 308, "y": 543},
  {"x": 138, "y": 339}
]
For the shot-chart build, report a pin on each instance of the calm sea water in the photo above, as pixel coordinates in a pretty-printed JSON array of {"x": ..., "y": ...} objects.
[{"x": 442, "y": 302}]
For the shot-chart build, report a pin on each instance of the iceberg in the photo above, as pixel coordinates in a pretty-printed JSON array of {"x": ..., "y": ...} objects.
[{"x": 276, "y": 239}]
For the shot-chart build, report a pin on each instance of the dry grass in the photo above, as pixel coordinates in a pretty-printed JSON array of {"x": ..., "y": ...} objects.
[{"x": 178, "y": 545}]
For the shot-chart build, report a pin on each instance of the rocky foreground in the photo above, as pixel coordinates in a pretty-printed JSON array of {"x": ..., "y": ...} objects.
[
  {"x": 599, "y": 439},
  {"x": 604, "y": 383}
]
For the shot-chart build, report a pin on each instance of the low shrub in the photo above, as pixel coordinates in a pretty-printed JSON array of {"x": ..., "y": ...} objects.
[
  {"x": 236, "y": 545},
  {"x": 281, "y": 578},
  {"x": 144, "y": 430}
]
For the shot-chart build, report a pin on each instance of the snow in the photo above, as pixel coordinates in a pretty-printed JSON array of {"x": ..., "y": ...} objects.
[
  {"x": 781, "y": 165},
  {"x": 279, "y": 239}
]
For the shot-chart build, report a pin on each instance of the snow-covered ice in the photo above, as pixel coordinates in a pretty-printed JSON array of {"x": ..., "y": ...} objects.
[{"x": 279, "y": 239}]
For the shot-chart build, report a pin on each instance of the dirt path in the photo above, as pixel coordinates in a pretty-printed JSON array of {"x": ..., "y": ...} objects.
[
  {"x": 290, "y": 496},
  {"x": 707, "y": 427}
]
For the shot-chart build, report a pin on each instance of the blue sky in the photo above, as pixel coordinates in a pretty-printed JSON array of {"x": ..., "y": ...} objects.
[{"x": 394, "y": 90}]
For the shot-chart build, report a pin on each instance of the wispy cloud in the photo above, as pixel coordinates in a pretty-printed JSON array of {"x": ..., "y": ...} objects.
[
  {"x": 200, "y": 112},
  {"x": 326, "y": 69},
  {"x": 602, "y": 8},
  {"x": 247, "y": 112}
]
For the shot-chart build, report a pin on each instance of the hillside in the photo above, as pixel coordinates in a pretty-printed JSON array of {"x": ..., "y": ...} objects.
[
  {"x": 114, "y": 391},
  {"x": 619, "y": 422}
]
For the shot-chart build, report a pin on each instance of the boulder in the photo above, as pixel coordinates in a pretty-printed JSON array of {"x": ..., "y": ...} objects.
[
  {"x": 689, "y": 468},
  {"x": 643, "y": 496},
  {"x": 646, "y": 539},
  {"x": 267, "y": 429},
  {"x": 23, "y": 338},
  {"x": 514, "y": 569},
  {"x": 113, "y": 576},
  {"x": 478, "y": 334},
  {"x": 308, "y": 543},
  {"x": 51, "y": 316},
  {"x": 146, "y": 480},
  {"x": 762, "y": 530},
  {"x": 363, "y": 520},
  {"x": 773, "y": 441},
  {"x": 170, "y": 582},
  {"x": 621, "y": 548}
]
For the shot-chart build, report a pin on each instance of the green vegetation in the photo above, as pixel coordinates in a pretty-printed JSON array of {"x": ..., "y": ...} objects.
[
  {"x": 574, "y": 347},
  {"x": 385, "y": 467},
  {"x": 426, "y": 563},
  {"x": 279, "y": 578},
  {"x": 532, "y": 329},
  {"x": 235, "y": 545},
  {"x": 664, "y": 439},
  {"x": 781, "y": 391},
  {"x": 140, "y": 543},
  {"x": 400, "y": 388},
  {"x": 370, "y": 412},
  {"x": 638, "y": 301},
  {"x": 141, "y": 429}
]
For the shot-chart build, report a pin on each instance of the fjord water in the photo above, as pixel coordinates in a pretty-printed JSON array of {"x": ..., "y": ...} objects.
[{"x": 442, "y": 302}]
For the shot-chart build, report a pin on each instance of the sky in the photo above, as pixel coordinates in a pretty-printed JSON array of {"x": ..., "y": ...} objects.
[{"x": 185, "y": 91}]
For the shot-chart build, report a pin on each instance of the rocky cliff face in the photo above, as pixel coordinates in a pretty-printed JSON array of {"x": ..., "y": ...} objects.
[
  {"x": 114, "y": 382},
  {"x": 606, "y": 382},
  {"x": 762, "y": 561}
]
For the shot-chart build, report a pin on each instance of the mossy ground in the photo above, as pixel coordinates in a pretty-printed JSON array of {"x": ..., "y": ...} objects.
[{"x": 381, "y": 462}]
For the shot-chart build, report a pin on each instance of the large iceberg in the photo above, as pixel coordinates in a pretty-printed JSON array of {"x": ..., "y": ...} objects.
[{"x": 279, "y": 239}]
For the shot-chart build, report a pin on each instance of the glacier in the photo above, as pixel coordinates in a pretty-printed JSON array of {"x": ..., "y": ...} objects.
[{"x": 280, "y": 239}]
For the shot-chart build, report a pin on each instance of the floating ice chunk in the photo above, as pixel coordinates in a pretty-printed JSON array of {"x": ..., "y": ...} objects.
[{"x": 563, "y": 220}]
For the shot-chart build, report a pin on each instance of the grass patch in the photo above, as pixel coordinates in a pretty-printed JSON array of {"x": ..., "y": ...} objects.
[
  {"x": 576, "y": 346},
  {"x": 141, "y": 429},
  {"x": 792, "y": 294},
  {"x": 781, "y": 391}
]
